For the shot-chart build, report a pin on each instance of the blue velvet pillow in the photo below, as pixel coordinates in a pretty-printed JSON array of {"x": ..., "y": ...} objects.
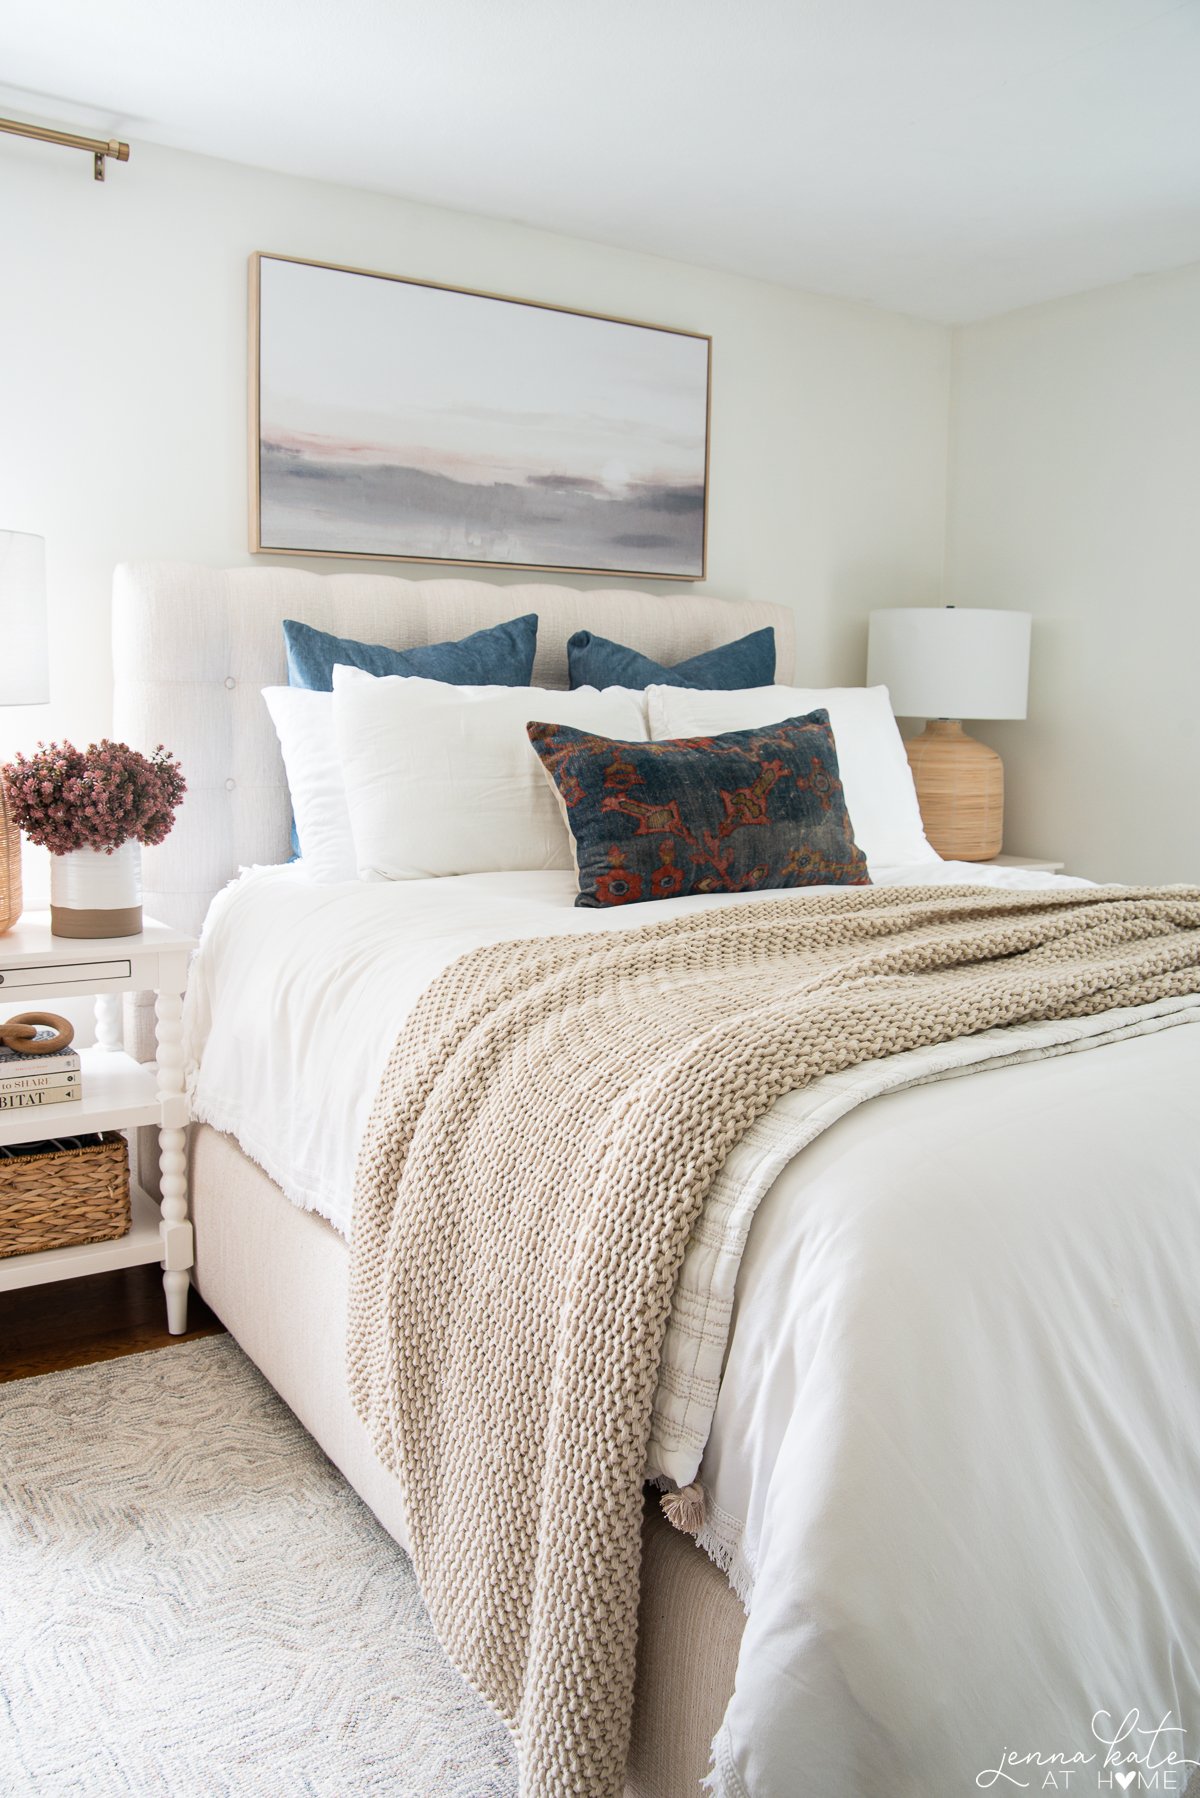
[
  {"x": 749, "y": 662},
  {"x": 729, "y": 814},
  {"x": 501, "y": 656}
]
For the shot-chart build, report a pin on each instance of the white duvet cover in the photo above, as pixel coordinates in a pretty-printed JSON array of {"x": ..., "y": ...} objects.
[{"x": 954, "y": 1463}]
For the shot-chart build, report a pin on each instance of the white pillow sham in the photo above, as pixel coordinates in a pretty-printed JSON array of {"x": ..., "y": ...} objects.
[
  {"x": 876, "y": 778},
  {"x": 443, "y": 780},
  {"x": 303, "y": 723}
]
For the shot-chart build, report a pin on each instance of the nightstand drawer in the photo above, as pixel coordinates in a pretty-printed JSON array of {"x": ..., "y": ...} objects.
[{"x": 64, "y": 973}]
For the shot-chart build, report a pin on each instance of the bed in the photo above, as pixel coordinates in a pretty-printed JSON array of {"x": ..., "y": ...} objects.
[{"x": 986, "y": 1362}]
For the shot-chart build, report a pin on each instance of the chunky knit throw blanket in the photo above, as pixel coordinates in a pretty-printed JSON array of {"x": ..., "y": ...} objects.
[{"x": 544, "y": 1137}]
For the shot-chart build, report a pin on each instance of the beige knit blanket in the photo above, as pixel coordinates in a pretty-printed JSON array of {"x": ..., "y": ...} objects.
[{"x": 544, "y": 1137}]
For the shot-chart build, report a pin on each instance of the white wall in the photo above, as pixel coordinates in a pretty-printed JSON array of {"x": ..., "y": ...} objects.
[
  {"x": 1074, "y": 482},
  {"x": 123, "y": 397},
  {"x": 1075, "y": 495}
]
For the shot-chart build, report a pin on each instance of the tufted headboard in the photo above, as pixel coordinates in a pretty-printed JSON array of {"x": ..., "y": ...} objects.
[{"x": 192, "y": 647}]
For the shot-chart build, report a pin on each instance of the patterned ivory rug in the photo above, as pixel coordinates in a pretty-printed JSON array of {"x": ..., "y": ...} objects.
[{"x": 194, "y": 1604}]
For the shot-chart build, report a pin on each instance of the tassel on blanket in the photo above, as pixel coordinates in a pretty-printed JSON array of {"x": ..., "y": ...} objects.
[{"x": 685, "y": 1508}]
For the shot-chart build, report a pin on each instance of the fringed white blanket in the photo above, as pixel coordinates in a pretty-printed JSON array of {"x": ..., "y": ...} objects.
[{"x": 548, "y": 1130}]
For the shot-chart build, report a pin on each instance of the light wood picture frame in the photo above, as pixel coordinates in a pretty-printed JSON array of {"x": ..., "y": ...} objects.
[{"x": 405, "y": 420}]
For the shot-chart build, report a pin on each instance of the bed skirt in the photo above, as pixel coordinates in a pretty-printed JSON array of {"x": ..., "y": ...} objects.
[{"x": 278, "y": 1277}]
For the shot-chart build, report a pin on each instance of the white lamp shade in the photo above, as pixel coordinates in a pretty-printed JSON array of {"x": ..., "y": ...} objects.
[
  {"x": 951, "y": 661},
  {"x": 24, "y": 660}
]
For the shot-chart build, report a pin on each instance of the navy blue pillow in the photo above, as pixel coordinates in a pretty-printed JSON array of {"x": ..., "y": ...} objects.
[
  {"x": 595, "y": 662},
  {"x": 501, "y": 656}
]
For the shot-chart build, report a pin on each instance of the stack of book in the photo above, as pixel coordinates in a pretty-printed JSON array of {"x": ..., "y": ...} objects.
[{"x": 30, "y": 1080}]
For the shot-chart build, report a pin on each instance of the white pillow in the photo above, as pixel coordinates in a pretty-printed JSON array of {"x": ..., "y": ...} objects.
[
  {"x": 304, "y": 725},
  {"x": 876, "y": 778},
  {"x": 443, "y": 780}
]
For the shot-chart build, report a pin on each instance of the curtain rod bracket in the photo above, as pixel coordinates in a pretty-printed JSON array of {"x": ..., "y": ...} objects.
[{"x": 100, "y": 147}]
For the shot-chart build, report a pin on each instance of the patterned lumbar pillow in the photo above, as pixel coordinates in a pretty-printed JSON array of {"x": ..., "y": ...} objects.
[
  {"x": 596, "y": 662},
  {"x": 726, "y": 814}
]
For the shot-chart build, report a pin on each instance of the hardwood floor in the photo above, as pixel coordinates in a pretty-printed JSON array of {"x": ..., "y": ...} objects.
[{"x": 46, "y": 1328}]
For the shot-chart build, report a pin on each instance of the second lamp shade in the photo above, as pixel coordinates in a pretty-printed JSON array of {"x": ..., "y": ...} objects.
[{"x": 951, "y": 661}]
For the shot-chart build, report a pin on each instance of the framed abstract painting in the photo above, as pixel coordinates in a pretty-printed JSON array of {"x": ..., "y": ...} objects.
[{"x": 404, "y": 420}]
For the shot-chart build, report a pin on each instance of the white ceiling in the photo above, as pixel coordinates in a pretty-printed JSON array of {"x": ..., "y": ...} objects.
[{"x": 950, "y": 158}]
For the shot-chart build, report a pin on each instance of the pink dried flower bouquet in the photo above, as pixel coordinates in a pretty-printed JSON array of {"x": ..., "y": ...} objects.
[{"x": 94, "y": 798}]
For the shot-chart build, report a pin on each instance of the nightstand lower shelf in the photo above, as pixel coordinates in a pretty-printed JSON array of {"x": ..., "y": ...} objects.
[
  {"x": 117, "y": 1092},
  {"x": 141, "y": 1243}
]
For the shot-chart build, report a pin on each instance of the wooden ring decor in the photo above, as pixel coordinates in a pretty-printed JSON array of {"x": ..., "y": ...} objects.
[{"x": 20, "y": 1033}]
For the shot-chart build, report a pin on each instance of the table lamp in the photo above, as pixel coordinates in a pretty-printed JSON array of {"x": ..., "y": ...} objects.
[
  {"x": 24, "y": 678},
  {"x": 944, "y": 664}
]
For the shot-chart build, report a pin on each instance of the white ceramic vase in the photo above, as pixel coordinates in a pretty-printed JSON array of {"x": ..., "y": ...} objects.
[{"x": 95, "y": 894}]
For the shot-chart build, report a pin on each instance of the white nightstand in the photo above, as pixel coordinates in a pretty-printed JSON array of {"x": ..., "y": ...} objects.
[
  {"x": 1024, "y": 861},
  {"x": 118, "y": 1093}
]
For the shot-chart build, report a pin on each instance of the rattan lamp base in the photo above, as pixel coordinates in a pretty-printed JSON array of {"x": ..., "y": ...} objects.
[
  {"x": 10, "y": 865},
  {"x": 960, "y": 789}
]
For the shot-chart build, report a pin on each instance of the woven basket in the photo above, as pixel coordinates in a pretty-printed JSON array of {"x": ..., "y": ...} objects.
[{"x": 54, "y": 1195}]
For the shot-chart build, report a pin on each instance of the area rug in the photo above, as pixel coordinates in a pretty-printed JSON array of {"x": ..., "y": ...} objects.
[{"x": 194, "y": 1603}]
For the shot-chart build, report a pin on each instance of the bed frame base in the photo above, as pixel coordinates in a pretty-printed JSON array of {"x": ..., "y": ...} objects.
[{"x": 278, "y": 1278}]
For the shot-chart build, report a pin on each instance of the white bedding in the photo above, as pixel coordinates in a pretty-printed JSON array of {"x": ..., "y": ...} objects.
[
  {"x": 337, "y": 968},
  {"x": 956, "y": 1449}
]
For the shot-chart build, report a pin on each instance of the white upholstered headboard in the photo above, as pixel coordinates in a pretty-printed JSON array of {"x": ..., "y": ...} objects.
[{"x": 192, "y": 647}]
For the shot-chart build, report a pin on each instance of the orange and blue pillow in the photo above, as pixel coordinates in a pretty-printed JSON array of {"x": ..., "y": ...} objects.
[{"x": 735, "y": 813}]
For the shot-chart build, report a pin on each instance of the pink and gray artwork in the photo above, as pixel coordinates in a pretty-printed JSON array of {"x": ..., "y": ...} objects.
[{"x": 398, "y": 419}]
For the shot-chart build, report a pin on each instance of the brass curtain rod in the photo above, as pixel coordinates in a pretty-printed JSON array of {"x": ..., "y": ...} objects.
[{"x": 99, "y": 146}]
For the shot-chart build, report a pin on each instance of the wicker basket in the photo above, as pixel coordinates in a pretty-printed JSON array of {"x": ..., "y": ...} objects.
[{"x": 56, "y": 1194}]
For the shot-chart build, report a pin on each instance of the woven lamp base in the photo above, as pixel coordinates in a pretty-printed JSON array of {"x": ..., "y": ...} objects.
[
  {"x": 960, "y": 789},
  {"x": 10, "y": 866}
]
